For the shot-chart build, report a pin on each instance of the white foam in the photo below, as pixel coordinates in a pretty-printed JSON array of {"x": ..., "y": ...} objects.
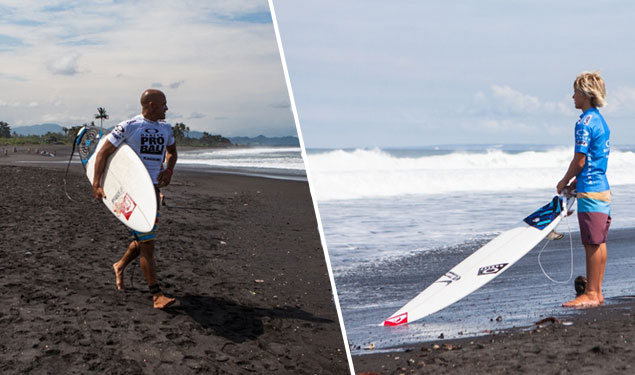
[
  {"x": 372, "y": 173},
  {"x": 238, "y": 152},
  {"x": 282, "y": 158}
]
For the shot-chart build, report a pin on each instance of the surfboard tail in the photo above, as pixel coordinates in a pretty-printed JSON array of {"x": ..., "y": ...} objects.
[{"x": 396, "y": 320}]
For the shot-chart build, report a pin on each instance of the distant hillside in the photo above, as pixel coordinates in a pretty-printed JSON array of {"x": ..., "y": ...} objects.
[
  {"x": 195, "y": 134},
  {"x": 37, "y": 129},
  {"x": 261, "y": 140}
]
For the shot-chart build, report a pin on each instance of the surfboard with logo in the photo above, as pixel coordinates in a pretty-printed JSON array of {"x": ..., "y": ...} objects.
[
  {"x": 130, "y": 193},
  {"x": 485, "y": 264}
]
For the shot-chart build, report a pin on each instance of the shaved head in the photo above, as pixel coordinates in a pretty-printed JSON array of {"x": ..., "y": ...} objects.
[
  {"x": 153, "y": 104},
  {"x": 151, "y": 95}
]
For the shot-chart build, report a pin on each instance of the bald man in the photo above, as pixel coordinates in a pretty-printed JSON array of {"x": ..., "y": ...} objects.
[{"x": 153, "y": 140}]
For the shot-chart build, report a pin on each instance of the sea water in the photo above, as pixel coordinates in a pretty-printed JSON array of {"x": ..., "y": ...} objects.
[
  {"x": 271, "y": 162},
  {"x": 396, "y": 220}
]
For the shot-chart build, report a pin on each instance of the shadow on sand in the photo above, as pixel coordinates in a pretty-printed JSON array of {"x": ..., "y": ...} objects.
[{"x": 232, "y": 321}]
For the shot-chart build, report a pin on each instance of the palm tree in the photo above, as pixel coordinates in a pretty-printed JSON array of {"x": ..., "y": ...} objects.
[
  {"x": 102, "y": 115},
  {"x": 180, "y": 130}
]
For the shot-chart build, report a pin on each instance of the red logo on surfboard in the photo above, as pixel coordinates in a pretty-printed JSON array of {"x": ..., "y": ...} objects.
[
  {"x": 125, "y": 206},
  {"x": 396, "y": 320}
]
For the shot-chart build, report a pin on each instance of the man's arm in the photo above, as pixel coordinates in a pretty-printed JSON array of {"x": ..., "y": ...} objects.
[
  {"x": 170, "y": 160},
  {"x": 100, "y": 165},
  {"x": 574, "y": 168}
]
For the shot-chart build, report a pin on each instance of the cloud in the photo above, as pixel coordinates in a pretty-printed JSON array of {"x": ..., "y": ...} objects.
[
  {"x": 12, "y": 77},
  {"x": 173, "y": 85},
  {"x": 8, "y": 42},
  {"x": 250, "y": 17},
  {"x": 3, "y": 103},
  {"x": 87, "y": 54},
  {"x": 65, "y": 65},
  {"x": 13, "y": 104},
  {"x": 503, "y": 100},
  {"x": 515, "y": 99},
  {"x": 83, "y": 42},
  {"x": 497, "y": 126},
  {"x": 280, "y": 105},
  {"x": 621, "y": 101}
]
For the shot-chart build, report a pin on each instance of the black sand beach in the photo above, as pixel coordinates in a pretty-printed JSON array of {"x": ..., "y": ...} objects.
[
  {"x": 588, "y": 341},
  {"x": 600, "y": 341},
  {"x": 242, "y": 256}
]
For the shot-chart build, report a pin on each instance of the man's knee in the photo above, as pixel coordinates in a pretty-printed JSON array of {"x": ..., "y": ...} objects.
[{"x": 147, "y": 247}]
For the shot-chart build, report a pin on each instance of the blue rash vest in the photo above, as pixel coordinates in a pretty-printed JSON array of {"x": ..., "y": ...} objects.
[{"x": 592, "y": 139}]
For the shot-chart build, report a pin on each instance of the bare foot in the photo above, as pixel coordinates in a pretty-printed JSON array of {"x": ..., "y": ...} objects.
[
  {"x": 118, "y": 276},
  {"x": 161, "y": 301},
  {"x": 588, "y": 299}
]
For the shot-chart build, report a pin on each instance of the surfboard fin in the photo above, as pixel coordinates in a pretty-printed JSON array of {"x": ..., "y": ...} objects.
[{"x": 553, "y": 235}]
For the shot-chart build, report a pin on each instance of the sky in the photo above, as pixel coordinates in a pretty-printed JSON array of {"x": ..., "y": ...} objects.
[
  {"x": 218, "y": 63},
  {"x": 369, "y": 73}
]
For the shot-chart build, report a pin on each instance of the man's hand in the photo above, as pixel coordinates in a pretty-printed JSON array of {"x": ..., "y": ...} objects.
[
  {"x": 170, "y": 158},
  {"x": 561, "y": 185},
  {"x": 165, "y": 177},
  {"x": 100, "y": 165},
  {"x": 98, "y": 192}
]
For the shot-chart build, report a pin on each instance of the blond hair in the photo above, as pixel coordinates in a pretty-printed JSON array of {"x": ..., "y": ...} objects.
[{"x": 592, "y": 86}]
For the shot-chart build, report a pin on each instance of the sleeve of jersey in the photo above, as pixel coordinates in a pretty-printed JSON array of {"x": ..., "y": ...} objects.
[
  {"x": 582, "y": 138},
  {"x": 117, "y": 135},
  {"x": 171, "y": 139}
]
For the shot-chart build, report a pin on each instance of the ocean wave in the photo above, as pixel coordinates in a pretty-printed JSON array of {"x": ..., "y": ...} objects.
[
  {"x": 284, "y": 158},
  {"x": 239, "y": 152},
  {"x": 364, "y": 173}
]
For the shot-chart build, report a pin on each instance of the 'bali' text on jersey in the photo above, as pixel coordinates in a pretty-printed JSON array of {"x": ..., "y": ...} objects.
[{"x": 148, "y": 139}]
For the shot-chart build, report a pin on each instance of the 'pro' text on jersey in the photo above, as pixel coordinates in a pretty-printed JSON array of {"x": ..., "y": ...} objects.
[{"x": 148, "y": 139}]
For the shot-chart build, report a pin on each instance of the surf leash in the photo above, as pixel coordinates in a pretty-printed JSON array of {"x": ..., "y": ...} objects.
[
  {"x": 566, "y": 217},
  {"x": 79, "y": 134}
]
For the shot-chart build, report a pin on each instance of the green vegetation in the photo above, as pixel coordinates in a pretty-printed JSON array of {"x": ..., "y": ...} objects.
[
  {"x": 5, "y": 130},
  {"x": 181, "y": 132}
]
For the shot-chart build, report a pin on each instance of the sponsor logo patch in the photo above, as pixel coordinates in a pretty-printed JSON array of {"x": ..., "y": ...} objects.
[
  {"x": 125, "y": 206},
  {"x": 152, "y": 142},
  {"x": 581, "y": 133},
  {"x": 451, "y": 276},
  {"x": 396, "y": 320},
  {"x": 587, "y": 120},
  {"x": 490, "y": 270}
]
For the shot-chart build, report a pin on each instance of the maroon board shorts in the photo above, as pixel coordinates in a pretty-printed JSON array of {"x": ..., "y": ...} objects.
[{"x": 594, "y": 227}]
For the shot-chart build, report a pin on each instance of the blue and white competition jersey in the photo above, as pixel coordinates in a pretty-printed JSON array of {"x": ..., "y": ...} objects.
[
  {"x": 147, "y": 138},
  {"x": 592, "y": 139}
]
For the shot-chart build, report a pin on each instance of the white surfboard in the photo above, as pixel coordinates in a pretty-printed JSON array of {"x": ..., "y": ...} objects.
[
  {"x": 478, "y": 269},
  {"x": 130, "y": 193}
]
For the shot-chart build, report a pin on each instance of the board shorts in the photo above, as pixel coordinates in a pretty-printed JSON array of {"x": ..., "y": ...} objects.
[
  {"x": 594, "y": 216},
  {"x": 148, "y": 236}
]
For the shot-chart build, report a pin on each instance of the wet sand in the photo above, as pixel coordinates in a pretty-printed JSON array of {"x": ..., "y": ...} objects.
[
  {"x": 241, "y": 255},
  {"x": 599, "y": 341},
  {"x": 589, "y": 341}
]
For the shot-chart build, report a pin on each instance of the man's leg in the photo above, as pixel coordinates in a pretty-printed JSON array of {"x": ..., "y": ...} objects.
[
  {"x": 149, "y": 270},
  {"x": 131, "y": 253},
  {"x": 595, "y": 264}
]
